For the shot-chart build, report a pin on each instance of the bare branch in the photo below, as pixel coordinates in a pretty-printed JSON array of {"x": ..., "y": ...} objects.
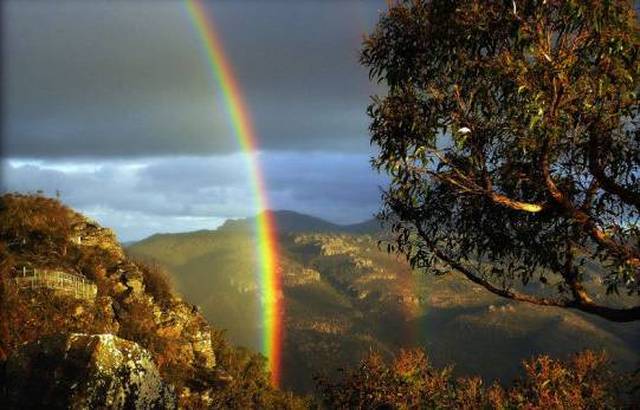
[{"x": 513, "y": 204}]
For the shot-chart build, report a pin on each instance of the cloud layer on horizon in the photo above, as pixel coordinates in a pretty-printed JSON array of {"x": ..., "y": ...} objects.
[{"x": 145, "y": 196}]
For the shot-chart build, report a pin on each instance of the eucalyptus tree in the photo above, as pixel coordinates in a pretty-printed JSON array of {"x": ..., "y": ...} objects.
[{"x": 509, "y": 130}]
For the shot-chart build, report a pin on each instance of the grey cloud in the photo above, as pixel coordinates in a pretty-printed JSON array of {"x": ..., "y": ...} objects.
[
  {"x": 135, "y": 225},
  {"x": 339, "y": 187},
  {"x": 196, "y": 173},
  {"x": 112, "y": 104},
  {"x": 125, "y": 186},
  {"x": 125, "y": 79}
]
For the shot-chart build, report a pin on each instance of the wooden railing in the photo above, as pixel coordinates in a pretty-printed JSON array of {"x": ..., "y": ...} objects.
[{"x": 72, "y": 284}]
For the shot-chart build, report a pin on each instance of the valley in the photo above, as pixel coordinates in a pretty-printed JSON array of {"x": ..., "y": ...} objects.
[{"x": 345, "y": 296}]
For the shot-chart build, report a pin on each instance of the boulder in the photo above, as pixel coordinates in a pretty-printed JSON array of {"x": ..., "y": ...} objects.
[{"x": 79, "y": 371}]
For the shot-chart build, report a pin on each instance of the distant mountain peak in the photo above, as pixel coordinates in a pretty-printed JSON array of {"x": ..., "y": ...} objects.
[{"x": 287, "y": 221}]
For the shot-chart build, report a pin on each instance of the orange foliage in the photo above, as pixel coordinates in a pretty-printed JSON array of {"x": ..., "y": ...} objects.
[
  {"x": 585, "y": 381},
  {"x": 27, "y": 315},
  {"x": 34, "y": 224}
]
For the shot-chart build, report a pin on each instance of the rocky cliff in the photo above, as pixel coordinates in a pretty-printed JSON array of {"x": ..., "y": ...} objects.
[{"x": 136, "y": 342}]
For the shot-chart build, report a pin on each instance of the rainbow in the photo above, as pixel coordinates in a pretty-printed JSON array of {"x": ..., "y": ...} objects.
[{"x": 271, "y": 290}]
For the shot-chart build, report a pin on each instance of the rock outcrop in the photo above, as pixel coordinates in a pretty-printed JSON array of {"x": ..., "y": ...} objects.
[
  {"x": 86, "y": 232},
  {"x": 300, "y": 277},
  {"x": 79, "y": 371}
]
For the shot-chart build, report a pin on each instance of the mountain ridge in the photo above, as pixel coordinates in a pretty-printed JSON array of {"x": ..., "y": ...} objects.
[
  {"x": 286, "y": 221},
  {"x": 295, "y": 222}
]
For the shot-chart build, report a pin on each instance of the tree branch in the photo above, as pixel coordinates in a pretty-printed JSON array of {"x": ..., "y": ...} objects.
[
  {"x": 570, "y": 276},
  {"x": 607, "y": 183},
  {"x": 468, "y": 185},
  {"x": 510, "y": 294},
  {"x": 624, "y": 253},
  {"x": 513, "y": 204},
  {"x": 583, "y": 304}
]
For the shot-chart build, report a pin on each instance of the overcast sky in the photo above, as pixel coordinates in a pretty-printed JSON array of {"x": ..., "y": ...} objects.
[{"x": 112, "y": 105}]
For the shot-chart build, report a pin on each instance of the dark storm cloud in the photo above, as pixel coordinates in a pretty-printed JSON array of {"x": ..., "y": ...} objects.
[{"x": 126, "y": 79}]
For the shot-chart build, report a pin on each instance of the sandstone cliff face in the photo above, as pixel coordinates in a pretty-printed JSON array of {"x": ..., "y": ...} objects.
[
  {"x": 86, "y": 232},
  {"x": 79, "y": 371},
  {"x": 174, "y": 330}
]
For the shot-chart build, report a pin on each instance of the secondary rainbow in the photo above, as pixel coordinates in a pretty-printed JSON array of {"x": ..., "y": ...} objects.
[{"x": 271, "y": 289}]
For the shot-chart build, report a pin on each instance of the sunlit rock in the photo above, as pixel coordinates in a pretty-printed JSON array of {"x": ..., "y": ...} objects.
[{"x": 81, "y": 371}]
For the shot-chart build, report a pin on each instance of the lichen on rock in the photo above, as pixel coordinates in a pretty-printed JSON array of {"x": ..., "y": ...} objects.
[{"x": 79, "y": 371}]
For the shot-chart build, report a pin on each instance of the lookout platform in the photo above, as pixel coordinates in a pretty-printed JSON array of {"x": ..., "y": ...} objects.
[{"x": 63, "y": 282}]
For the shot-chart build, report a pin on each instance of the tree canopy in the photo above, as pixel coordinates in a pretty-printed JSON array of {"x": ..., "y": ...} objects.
[{"x": 509, "y": 130}]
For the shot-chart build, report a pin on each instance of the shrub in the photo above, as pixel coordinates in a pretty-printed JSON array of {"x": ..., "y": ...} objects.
[
  {"x": 34, "y": 224},
  {"x": 157, "y": 282},
  {"x": 585, "y": 381}
]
